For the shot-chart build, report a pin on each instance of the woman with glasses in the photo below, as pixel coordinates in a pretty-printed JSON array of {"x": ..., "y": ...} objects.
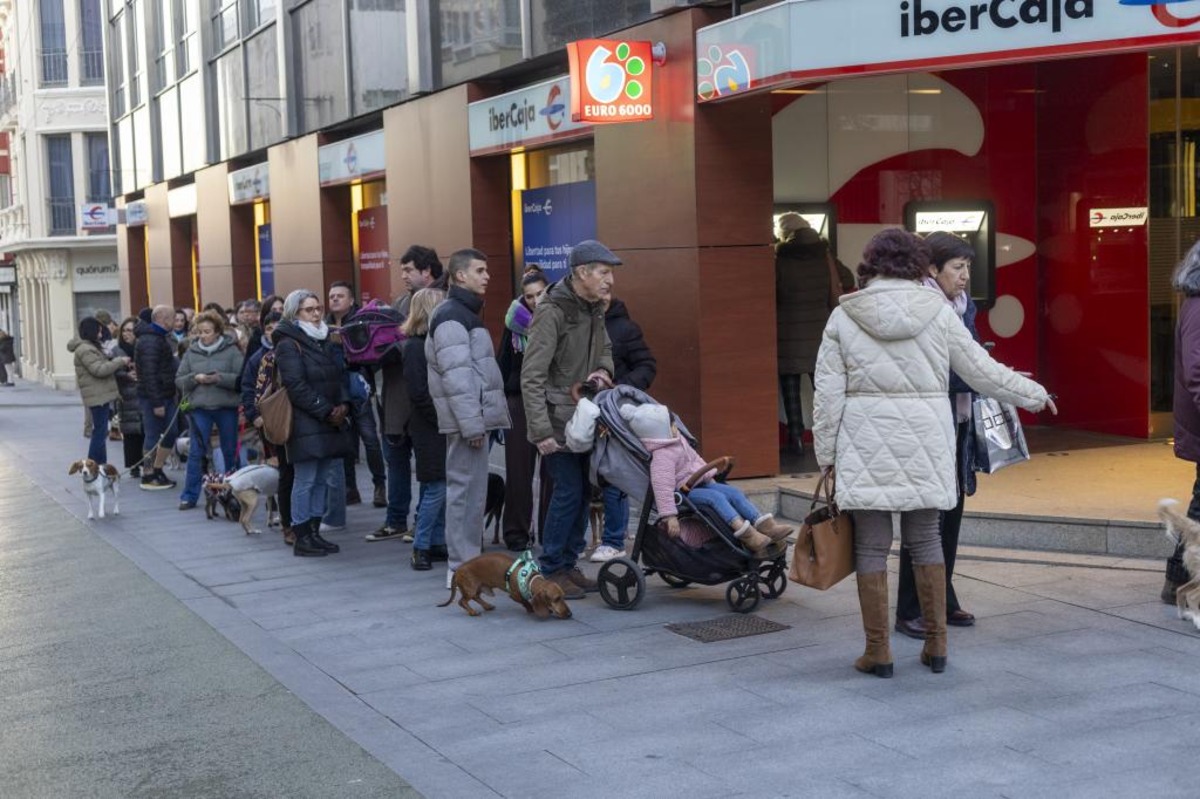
[{"x": 312, "y": 375}]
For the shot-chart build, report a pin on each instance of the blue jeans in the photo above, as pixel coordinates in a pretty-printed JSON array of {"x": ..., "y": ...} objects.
[
  {"x": 726, "y": 501},
  {"x": 203, "y": 421},
  {"x": 310, "y": 489},
  {"x": 335, "y": 507},
  {"x": 398, "y": 452},
  {"x": 562, "y": 538},
  {"x": 431, "y": 516},
  {"x": 616, "y": 517},
  {"x": 98, "y": 444},
  {"x": 153, "y": 426}
]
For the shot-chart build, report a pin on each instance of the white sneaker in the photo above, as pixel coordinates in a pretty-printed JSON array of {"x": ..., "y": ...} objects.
[
  {"x": 605, "y": 553},
  {"x": 329, "y": 528},
  {"x": 449, "y": 578}
]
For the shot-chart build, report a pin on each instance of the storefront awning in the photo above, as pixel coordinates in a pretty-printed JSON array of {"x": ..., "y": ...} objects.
[{"x": 798, "y": 41}]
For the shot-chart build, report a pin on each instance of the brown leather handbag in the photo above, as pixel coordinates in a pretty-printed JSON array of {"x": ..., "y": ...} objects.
[
  {"x": 275, "y": 408},
  {"x": 824, "y": 551}
]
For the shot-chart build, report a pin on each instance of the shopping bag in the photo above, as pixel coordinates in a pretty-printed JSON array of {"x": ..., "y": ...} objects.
[
  {"x": 824, "y": 551},
  {"x": 999, "y": 439}
]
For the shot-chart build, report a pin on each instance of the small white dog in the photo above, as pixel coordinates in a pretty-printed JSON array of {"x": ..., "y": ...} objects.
[
  {"x": 1183, "y": 530},
  {"x": 178, "y": 453},
  {"x": 97, "y": 481},
  {"x": 248, "y": 484}
]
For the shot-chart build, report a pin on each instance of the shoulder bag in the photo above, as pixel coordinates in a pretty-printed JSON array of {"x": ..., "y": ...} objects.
[
  {"x": 824, "y": 551},
  {"x": 275, "y": 408}
]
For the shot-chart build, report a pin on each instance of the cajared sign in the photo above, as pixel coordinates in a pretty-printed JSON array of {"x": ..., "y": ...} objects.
[{"x": 776, "y": 46}]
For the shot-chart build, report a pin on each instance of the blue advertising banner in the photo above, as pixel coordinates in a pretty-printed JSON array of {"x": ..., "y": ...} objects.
[
  {"x": 555, "y": 219},
  {"x": 266, "y": 261}
]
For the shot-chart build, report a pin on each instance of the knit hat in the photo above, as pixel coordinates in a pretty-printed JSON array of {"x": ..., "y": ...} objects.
[
  {"x": 651, "y": 421},
  {"x": 89, "y": 329},
  {"x": 791, "y": 222},
  {"x": 103, "y": 316},
  {"x": 146, "y": 315},
  {"x": 590, "y": 251}
]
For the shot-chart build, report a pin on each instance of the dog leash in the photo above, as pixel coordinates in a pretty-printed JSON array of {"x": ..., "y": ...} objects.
[{"x": 157, "y": 444}]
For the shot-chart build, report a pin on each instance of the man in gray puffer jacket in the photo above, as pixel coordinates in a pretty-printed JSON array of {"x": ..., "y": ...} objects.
[{"x": 468, "y": 393}]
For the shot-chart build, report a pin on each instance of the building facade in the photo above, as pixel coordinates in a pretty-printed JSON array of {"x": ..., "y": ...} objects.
[
  {"x": 264, "y": 146},
  {"x": 55, "y": 225}
]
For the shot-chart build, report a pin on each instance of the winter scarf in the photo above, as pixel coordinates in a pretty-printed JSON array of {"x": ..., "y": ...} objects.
[
  {"x": 319, "y": 332},
  {"x": 517, "y": 320},
  {"x": 962, "y": 401}
]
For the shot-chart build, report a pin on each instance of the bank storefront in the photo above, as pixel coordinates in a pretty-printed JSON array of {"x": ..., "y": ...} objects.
[{"x": 1073, "y": 123}]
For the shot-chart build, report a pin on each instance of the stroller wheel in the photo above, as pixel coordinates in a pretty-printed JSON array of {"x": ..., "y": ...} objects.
[
  {"x": 742, "y": 594},
  {"x": 773, "y": 577},
  {"x": 622, "y": 584},
  {"x": 673, "y": 581}
]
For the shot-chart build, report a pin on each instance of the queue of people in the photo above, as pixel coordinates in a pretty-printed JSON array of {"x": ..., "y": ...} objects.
[{"x": 895, "y": 370}]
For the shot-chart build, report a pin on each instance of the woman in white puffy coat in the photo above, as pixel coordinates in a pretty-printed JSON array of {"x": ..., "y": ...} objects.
[{"x": 882, "y": 418}]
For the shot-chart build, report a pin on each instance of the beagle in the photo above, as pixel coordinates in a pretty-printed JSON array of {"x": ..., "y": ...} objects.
[{"x": 98, "y": 480}]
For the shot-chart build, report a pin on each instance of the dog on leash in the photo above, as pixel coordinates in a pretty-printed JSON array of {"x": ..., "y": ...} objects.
[
  {"x": 1182, "y": 530},
  {"x": 498, "y": 570},
  {"x": 98, "y": 481},
  {"x": 245, "y": 487},
  {"x": 217, "y": 493},
  {"x": 494, "y": 512},
  {"x": 178, "y": 455}
]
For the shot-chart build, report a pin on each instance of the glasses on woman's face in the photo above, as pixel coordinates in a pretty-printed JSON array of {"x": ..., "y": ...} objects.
[{"x": 310, "y": 309}]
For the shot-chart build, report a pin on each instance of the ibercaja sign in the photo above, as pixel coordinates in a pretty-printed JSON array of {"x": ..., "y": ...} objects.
[{"x": 611, "y": 81}]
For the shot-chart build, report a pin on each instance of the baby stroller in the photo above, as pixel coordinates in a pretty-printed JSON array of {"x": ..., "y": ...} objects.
[{"x": 619, "y": 458}]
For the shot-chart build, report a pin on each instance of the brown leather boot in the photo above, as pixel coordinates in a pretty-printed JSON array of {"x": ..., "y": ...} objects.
[
  {"x": 289, "y": 536},
  {"x": 873, "y": 601},
  {"x": 931, "y": 590},
  {"x": 772, "y": 529}
]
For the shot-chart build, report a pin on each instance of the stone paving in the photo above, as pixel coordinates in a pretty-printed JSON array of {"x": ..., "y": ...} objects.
[{"x": 1076, "y": 681}]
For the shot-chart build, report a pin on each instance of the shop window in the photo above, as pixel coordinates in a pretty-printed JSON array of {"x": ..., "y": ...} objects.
[{"x": 88, "y": 302}]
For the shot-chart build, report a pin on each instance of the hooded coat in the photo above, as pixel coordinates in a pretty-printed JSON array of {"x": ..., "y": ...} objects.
[
  {"x": 633, "y": 363},
  {"x": 226, "y": 361},
  {"x": 95, "y": 374},
  {"x": 882, "y": 411},
  {"x": 567, "y": 342},
  {"x": 312, "y": 375}
]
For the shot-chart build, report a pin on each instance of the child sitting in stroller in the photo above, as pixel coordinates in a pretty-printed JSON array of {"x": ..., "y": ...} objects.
[{"x": 674, "y": 461}]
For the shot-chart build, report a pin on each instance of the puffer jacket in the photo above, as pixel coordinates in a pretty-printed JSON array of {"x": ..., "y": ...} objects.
[
  {"x": 313, "y": 377},
  {"x": 464, "y": 379},
  {"x": 154, "y": 360},
  {"x": 95, "y": 374},
  {"x": 429, "y": 445},
  {"x": 672, "y": 462},
  {"x": 567, "y": 342},
  {"x": 882, "y": 411},
  {"x": 226, "y": 361},
  {"x": 801, "y": 300},
  {"x": 633, "y": 363}
]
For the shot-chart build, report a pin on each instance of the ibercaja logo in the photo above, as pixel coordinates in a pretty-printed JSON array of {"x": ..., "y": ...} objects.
[
  {"x": 611, "y": 81},
  {"x": 1170, "y": 12}
]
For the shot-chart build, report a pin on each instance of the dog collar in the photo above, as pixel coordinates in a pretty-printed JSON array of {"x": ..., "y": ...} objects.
[{"x": 523, "y": 570}]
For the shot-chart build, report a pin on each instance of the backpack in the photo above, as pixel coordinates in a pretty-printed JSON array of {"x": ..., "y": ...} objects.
[{"x": 372, "y": 337}]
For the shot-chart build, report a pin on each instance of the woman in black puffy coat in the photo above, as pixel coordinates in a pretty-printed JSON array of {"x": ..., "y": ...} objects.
[
  {"x": 312, "y": 374},
  {"x": 129, "y": 412}
]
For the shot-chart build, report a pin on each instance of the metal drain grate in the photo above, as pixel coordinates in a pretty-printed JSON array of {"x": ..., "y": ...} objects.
[{"x": 723, "y": 628}]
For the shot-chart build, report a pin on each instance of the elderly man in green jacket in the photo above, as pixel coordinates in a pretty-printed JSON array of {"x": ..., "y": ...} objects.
[{"x": 567, "y": 344}]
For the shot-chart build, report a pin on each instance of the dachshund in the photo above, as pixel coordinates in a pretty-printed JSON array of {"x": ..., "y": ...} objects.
[{"x": 493, "y": 570}]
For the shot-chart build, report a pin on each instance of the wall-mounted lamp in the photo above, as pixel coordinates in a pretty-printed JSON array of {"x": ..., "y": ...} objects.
[{"x": 658, "y": 53}]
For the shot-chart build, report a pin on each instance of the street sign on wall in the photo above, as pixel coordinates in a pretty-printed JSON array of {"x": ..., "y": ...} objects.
[{"x": 553, "y": 220}]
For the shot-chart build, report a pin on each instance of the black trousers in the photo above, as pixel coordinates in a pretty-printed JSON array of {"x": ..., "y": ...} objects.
[
  {"x": 908, "y": 606},
  {"x": 1176, "y": 573}
]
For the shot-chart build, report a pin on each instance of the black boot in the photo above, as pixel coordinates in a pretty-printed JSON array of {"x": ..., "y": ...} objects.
[
  {"x": 328, "y": 546},
  {"x": 305, "y": 546}
]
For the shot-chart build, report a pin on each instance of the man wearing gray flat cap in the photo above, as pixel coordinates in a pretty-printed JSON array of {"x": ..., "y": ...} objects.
[{"x": 567, "y": 344}]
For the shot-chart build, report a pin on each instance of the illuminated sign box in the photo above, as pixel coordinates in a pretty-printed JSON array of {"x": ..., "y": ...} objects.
[
  {"x": 611, "y": 81},
  {"x": 1118, "y": 217}
]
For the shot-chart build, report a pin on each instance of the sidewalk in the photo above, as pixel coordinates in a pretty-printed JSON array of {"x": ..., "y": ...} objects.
[{"x": 1077, "y": 681}]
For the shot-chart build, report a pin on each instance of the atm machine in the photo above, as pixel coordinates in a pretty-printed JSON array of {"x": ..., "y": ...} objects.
[
  {"x": 974, "y": 221},
  {"x": 821, "y": 217}
]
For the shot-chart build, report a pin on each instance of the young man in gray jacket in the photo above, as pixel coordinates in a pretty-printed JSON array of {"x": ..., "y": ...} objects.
[{"x": 468, "y": 393}]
